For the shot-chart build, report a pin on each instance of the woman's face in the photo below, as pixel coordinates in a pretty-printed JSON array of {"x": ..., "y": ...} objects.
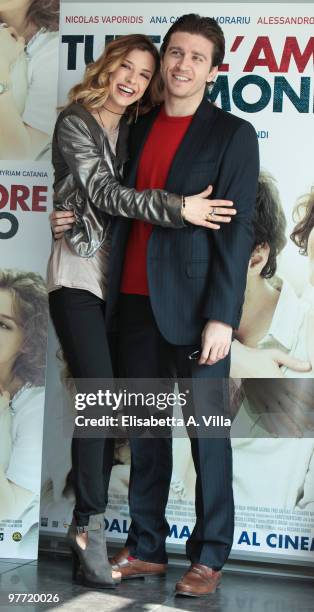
[
  {"x": 11, "y": 334},
  {"x": 129, "y": 82}
]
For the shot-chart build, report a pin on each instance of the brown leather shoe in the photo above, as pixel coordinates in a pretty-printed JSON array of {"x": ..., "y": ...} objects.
[
  {"x": 129, "y": 567},
  {"x": 198, "y": 581}
]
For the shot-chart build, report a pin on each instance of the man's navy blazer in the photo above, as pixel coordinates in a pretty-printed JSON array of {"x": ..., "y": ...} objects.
[{"x": 196, "y": 274}]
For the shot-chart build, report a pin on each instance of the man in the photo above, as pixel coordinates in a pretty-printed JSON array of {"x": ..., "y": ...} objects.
[
  {"x": 174, "y": 292},
  {"x": 177, "y": 291},
  {"x": 273, "y": 328}
]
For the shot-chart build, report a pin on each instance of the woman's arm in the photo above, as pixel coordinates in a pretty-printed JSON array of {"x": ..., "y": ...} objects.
[
  {"x": 13, "y": 498},
  {"x": 95, "y": 180},
  {"x": 20, "y": 482},
  {"x": 17, "y": 139},
  {"x": 5, "y": 429},
  {"x": 306, "y": 491},
  {"x": 309, "y": 322}
]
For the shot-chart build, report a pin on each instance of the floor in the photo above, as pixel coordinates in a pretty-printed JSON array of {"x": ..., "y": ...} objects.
[{"x": 239, "y": 591}]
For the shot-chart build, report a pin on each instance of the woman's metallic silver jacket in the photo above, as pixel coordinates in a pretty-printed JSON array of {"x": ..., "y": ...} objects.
[{"x": 87, "y": 176}]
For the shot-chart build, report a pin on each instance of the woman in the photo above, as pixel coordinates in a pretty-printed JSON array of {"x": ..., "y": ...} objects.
[
  {"x": 23, "y": 330},
  {"x": 89, "y": 148},
  {"x": 303, "y": 233},
  {"x": 303, "y": 237},
  {"x": 28, "y": 76}
]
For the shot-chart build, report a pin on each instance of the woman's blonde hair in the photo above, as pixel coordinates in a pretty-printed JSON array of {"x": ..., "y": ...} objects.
[{"x": 93, "y": 91}]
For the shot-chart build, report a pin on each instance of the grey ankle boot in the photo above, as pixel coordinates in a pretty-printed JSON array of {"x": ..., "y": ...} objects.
[{"x": 90, "y": 566}]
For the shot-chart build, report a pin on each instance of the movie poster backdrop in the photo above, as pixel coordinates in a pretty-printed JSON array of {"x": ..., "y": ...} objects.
[{"x": 266, "y": 78}]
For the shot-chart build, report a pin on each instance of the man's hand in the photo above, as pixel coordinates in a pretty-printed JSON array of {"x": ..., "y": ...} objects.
[
  {"x": 249, "y": 362},
  {"x": 60, "y": 222},
  {"x": 216, "y": 341}
]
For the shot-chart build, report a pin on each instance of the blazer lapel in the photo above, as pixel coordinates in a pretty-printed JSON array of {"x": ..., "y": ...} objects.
[
  {"x": 138, "y": 139},
  {"x": 122, "y": 148},
  {"x": 197, "y": 134}
]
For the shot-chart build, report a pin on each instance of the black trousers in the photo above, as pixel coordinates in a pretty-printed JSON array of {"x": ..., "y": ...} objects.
[
  {"x": 79, "y": 320},
  {"x": 144, "y": 353}
]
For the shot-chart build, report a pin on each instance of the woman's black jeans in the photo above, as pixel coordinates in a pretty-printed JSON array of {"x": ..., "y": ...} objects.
[{"x": 79, "y": 320}]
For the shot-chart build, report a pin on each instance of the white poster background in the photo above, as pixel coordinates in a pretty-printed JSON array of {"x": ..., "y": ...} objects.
[
  {"x": 286, "y": 143},
  {"x": 26, "y": 251},
  {"x": 29, "y": 248}
]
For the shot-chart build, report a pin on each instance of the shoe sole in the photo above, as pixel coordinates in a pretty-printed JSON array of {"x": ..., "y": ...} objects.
[
  {"x": 142, "y": 576},
  {"x": 180, "y": 594},
  {"x": 96, "y": 585},
  {"x": 190, "y": 594}
]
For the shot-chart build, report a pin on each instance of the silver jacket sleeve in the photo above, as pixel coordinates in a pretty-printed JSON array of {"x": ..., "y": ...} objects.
[{"x": 93, "y": 175}]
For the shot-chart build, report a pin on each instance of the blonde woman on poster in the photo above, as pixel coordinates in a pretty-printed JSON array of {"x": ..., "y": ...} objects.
[
  {"x": 28, "y": 77},
  {"x": 23, "y": 324}
]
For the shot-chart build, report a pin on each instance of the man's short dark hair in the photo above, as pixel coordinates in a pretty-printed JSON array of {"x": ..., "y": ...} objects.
[
  {"x": 269, "y": 221},
  {"x": 204, "y": 26}
]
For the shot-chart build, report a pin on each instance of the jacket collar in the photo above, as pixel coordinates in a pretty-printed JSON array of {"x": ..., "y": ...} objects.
[
  {"x": 122, "y": 148},
  {"x": 196, "y": 135},
  {"x": 98, "y": 134},
  {"x": 140, "y": 131},
  {"x": 194, "y": 139}
]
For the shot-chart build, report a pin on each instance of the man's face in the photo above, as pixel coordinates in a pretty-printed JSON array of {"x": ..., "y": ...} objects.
[{"x": 187, "y": 65}]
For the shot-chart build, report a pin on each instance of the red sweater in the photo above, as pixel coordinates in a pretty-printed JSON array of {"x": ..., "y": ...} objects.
[{"x": 158, "y": 153}]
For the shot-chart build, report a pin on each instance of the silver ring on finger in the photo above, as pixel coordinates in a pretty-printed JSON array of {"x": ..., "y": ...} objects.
[
  {"x": 211, "y": 212},
  {"x": 3, "y": 26}
]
